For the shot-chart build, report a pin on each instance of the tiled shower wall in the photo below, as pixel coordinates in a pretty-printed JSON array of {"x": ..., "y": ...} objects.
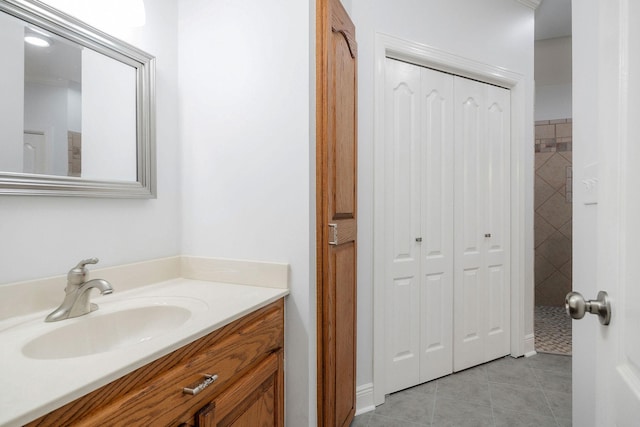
[{"x": 552, "y": 224}]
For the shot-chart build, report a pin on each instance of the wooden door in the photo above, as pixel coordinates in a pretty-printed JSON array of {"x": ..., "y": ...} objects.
[{"x": 336, "y": 159}]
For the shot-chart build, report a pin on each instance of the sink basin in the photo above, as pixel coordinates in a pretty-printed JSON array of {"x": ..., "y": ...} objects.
[{"x": 119, "y": 325}]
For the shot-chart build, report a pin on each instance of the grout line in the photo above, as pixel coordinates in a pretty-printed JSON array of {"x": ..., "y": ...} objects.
[
  {"x": 553, "y": 414},
  {"x": 433, "y": 405},
  {"x": 493, "y": 415}
]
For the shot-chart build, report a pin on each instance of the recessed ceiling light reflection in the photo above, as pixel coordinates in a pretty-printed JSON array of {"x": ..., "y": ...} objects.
[{"x": 37, "y": 41}]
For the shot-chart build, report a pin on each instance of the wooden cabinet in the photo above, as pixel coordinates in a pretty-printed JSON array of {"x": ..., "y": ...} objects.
[
  {"x": 248, "y": 402},
  {"x": 246, "y": 357}
]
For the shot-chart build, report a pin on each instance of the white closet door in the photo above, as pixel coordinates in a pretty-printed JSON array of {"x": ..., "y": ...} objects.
[
  {"x": 419, "y": 224},
  {"x": 436, "y": 296},
  {"x": 446, "y": 199},
  {"x": 402, "y": 225},
  {"x": 498, "y": 208},
  {"x": 481, "y": 293}
]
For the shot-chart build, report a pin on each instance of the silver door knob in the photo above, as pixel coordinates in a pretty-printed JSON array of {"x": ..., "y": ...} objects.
[{"x": 576, "y": 306}]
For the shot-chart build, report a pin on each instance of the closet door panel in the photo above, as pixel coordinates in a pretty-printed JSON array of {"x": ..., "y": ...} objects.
[
  {"x": 497, "y": 317},
  {"x": 435, "y": 334},
  {"x": 469, "y": 168},
  {"x": 471, "y": 322},
  {"x": 470, "y": 293},
  {"x": 497, "y": 220},
  {"x": 482, "y": 221},
  {"x": 498, "y": 188},
  {"x": 437, "y": 224},
  {"x": 402, "y": 336},
  {"x": 402, "y": 224}
]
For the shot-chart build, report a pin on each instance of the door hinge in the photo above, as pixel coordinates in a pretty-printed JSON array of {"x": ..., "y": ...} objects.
[{"x": 333, "y": 234}]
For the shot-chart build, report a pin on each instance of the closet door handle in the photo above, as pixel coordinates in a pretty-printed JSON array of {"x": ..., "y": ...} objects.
[{"x": 487, "y": 235}]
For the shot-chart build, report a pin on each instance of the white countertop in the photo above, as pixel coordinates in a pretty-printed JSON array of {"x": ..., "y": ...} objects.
[{"x": 31, "y": 387}]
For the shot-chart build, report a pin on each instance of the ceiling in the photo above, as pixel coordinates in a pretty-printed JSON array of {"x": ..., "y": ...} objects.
[{"x": 553, "y": 19}]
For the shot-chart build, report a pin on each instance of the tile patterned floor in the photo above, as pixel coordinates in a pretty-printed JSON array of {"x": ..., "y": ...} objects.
[
  {"x": 553, "y": 330},
  {"x": 508, "y": 392}
]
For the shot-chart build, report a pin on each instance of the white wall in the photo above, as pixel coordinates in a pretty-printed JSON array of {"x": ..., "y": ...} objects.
[
  {"x": 553, "y": 78},
  {"x": 44, "y": 236},
  {"x": 247, "y": 153},
  {"x": 496, "y": 32}
]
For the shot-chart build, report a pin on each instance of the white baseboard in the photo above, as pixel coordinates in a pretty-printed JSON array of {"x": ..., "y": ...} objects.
[
  {"x": 364, "y": 399},
  {"x": 530, "y": 345}
]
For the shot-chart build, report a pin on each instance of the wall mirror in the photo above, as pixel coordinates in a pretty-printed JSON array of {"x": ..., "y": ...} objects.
[{"x": 76, "y": 108}]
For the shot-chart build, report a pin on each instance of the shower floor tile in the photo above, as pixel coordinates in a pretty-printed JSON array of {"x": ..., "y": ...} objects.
[{"x": 553, "y": 330}]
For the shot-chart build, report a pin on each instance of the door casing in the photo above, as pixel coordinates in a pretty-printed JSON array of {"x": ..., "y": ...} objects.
[{"x": 521, "y": 249}]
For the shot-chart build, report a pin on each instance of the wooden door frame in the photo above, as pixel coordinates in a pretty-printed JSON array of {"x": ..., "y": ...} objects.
[{"x": 521, "y": 250}]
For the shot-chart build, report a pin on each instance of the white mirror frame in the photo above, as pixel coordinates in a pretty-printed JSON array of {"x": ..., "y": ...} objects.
[{"x": 44, "y": 16}]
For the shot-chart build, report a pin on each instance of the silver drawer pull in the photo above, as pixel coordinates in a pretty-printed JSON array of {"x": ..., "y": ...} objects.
[{"x": 210, "y": 379}]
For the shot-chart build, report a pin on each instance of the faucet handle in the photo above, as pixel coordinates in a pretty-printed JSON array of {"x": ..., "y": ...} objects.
[
  {"x": 78, "y": 275},
  {"x": 84, "y": 262}
]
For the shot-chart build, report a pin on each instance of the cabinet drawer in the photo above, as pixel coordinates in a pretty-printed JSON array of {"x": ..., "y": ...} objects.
[
  {"x": 250, "y": 401},
  {"x": 153, "y": 394}
]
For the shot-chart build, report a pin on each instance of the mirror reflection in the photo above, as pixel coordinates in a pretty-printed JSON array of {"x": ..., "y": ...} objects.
[
  {"x": 52, "y": 106},
  {"x": 79, "y": 107}
]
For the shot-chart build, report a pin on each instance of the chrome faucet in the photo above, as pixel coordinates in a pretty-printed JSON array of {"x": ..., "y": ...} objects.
[{"x": 78, "y": 290}]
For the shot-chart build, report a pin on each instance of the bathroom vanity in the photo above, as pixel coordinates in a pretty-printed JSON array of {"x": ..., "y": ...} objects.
[
  {"x": 182, "y": 341},
  {"x": 245, "y": 358}
]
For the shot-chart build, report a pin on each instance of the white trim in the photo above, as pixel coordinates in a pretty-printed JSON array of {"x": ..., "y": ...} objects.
[
  {"x": 533, "y": 4},
  {"x": 521, "y": 268},
  {"x": 364, "y": 399},
  {"x": 530, "y": 345}
]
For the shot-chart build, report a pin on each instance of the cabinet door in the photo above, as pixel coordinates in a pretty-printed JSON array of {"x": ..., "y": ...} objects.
[
  {"x": 204, "y": 417},
  {"x": 253, "y": 401}
]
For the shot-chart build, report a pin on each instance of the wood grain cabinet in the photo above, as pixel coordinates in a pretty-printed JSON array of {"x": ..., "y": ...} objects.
[{"x": 236, "y": 373}]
